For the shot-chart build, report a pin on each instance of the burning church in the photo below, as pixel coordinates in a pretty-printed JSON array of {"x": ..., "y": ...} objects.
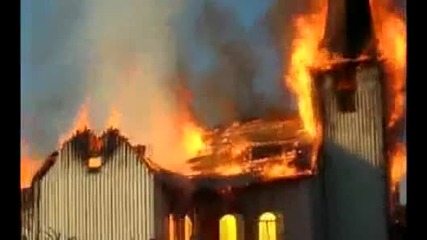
[{"x": 330, "y": 173}]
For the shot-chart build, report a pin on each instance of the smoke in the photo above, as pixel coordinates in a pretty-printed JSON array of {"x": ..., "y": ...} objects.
[
  {"x": 52, "y": 70},
  {"x": 109, "y": 53},
  {"x": 239, "y": 76},
  {"x": 125, "y": 55}
]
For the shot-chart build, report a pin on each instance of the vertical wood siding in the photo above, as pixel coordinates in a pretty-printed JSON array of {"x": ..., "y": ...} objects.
[
  {"x": 117, "y": 202},
  {"x": 360, "y": 132}
]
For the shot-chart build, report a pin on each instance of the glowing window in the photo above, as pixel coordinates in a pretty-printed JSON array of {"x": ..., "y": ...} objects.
[
  {"x": 185, "y": 227},
  {"x": 188, "y": 228},
  {"x": 267, "y": 228},
  {"x": 228, "y": 227},
  {"x": 94, "y": 163},
  {"x": 171, "y": 223}
]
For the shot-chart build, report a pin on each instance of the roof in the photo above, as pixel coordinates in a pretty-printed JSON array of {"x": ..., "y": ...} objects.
[
  {"x": 251, "y": 149},
  {"x": 88, "y": 144}
]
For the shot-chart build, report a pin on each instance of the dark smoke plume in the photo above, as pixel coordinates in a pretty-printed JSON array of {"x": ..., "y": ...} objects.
[{"x": 235, "y": 86}]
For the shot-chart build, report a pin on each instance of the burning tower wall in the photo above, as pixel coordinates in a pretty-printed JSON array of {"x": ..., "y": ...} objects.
[{"x": 352, "y": 105}]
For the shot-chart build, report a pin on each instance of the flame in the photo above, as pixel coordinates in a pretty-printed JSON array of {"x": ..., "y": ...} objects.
[
  {"x": 29, "y": 166},
  {"x": 305, "y": 56},
  {"x": 239, "y": 147},
  {"x": 114, "y": 118},
  {"x": 192, "y": 136},
  {"x": 230, "y": 169},
  {"x": 398, "y": 164},
  {"x": 80, "y": 123},
  {"x": 191, "y": 132},
  {"x": 390, "y": 31}
]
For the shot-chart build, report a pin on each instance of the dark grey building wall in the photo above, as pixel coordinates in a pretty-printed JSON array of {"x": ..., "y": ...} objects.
[{"x": 290, "y": 200}]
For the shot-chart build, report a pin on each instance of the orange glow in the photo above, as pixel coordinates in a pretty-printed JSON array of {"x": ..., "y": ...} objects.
[
  {"x": 272, "y": 171},
  {"x": 191, "y": 132},
  {"x": 188, "y": 228},
  {"x": 390, "y": 31},
  {"x": 95, "y": 162},
  {"x": 398, "y": 164},
  {"x": 29, "y": 166},
  {"x": 192, "y": 139},
  {"x": 114, "y": 118},
  {"x": 80, "y": 123},
  {"x": 171, "y": 223},
  {"x": 239, "y": 148},
  {"x": 309, "y": 31},
  {"x": 230, "y": 169}
]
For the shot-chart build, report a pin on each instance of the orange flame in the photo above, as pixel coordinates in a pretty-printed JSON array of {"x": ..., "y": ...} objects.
[
  {"x": 398, "y": 164},
  {"x": 192, "y": 139},
  {"x": 390, "y": 31},
  {"x": 114, "y": 118},
  {"x": 305, "y": 56},
  {"x": 280, "y": 170},
  {"x": 80, "y": 123},
  {"x": 229, "y": 169},
  {"x": 29, "y": 166},
  {"x": 191, "y": 132}
]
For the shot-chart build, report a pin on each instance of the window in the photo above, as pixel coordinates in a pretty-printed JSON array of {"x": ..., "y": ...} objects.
[
  {"x": 183, "y": 229},
  {"x": 188, "y": 228},
  {"x": 267, "y": 228},
  {"x": 172, "y": 227},
  {"x": 228, "y": 227},
  {"x": 346, "y": 101},
  {"x": 346, "y": 94},
  {"x": 94, "y": 163}
]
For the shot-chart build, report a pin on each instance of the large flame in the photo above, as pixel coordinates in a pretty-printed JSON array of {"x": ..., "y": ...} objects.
[
  {"x": 192, "y": 138},
  {"x": 390, "y": 32},
  {"x": 29, "y": 166},
  {"x": 114, "y": 118},
  {"x": 80, "y": 123},
  {"x": 398, "y": 167},
  {"x": 306, "y": 55},
  {"x": 191, "y": 132}
]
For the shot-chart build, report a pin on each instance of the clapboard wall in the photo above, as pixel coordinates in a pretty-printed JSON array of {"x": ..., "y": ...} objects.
[{"x": 117, "y": 201}]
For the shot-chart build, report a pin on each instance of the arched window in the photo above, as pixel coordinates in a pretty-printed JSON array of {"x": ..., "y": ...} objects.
[
  {"x": 267, "y": 226},
  {"x": 228, "y": 227}
]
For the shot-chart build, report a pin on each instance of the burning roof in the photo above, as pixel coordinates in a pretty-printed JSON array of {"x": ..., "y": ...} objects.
[
  {"x": 88, "y": 146},
  {"x": 260, "y": 148}
]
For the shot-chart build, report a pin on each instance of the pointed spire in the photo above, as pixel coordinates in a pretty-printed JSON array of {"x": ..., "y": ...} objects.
[{"x": 349, "y": 27}]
